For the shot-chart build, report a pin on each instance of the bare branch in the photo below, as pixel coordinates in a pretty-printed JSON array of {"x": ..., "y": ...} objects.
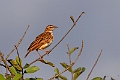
[
  {"x": 34, "y": 61},
  {"x": 94, "y": 65},
  {"x": 62, "y": 37},
  {"x": 17, "y": 43},
  {"x": 69, "y": 55},
  {"x": 17, "y": 52},
  {"x": 2, "y": 65},
  {"x": 79, "y": 52}
]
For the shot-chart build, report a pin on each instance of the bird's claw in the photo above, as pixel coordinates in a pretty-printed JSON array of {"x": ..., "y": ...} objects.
[
  {"x": 41, "y": 57},
  {"x": 47, "y": 52}
]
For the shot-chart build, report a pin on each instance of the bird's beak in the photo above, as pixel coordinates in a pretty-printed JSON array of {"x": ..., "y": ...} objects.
[{"x": 55, "y": 27}]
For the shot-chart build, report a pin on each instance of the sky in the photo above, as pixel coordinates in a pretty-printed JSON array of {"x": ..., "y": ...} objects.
[{"x": 99, "y": 28}]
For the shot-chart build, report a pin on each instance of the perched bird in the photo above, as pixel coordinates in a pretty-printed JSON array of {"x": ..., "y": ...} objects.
[{"x": 43, "y": 40}]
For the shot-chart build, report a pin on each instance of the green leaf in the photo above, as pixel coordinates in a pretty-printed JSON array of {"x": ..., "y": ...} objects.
[
  {"x": 15, "y": 64},
  {"x": 39, "y": 79},
  {"x": 13, "y": 70},
  {"x": 62, "y": 77},
  {"x": 83, "y": 69},
  {"x": 31, "y": 69},
  {"x": 2, "y": 77},
  {"x": 50, "y": 63},
  {"x": 76, "y": 75},
  {"x": 56, "y": 70},
  {"x": 17, "y": 77},
  {"x": 112, "y": 78},
  {"x": 19, "y": 61},
  {"x": 70, "y": 69},
  {"x": 71, "y": 17},
  {"x": 72, "y": 50},
  {"x": 66, "y": 66},
  {"x": 44, "y": 61},
  {"x": 56, "y": 76},
  {"x": 47, "y": 62},
  {"x": 104, "y": 78},
  {"x": 26, "y": 66},
  {"x": 77, "y": 70},
  {"x": 97, "y": 78}
]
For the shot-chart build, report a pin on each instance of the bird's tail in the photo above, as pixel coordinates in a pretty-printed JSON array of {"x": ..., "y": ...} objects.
[{"x": 27, "y": 54}]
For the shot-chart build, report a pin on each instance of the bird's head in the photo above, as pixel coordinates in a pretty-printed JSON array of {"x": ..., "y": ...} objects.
[{"x": 50, "y": 28}]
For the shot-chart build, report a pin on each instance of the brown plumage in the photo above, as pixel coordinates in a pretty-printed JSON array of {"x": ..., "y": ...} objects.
[{"x": 43, "y": 40}]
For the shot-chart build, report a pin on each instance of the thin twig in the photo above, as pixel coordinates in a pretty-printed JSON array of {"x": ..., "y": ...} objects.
[
  {"x": 94, "y": 65},
  {"x": 61, "y": 72},
  {"x": 2, "y": 65},
  {"x": 71, "y": 63},
  {"x": 17, "y": 53},
  {"x": 62, "y": 37},
  {"x": 19, "y": 61},
  {"x": 34, "y": 61},
  {"x": 5, "y": 62},
  {"x": 69, "y": 55},
  {"x": 18, "y": 43},
  {"x": 80, "y": 51}
]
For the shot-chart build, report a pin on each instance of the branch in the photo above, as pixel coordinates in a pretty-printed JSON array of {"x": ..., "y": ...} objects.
[
  {"x": 62, "y": 38},
  {"x": 19, "y": 61},
  {"x": 79, "y": 52},
  {"x": 71, "y": 63},
  {"x": 5, "y": 62},
  {"x": 67, "y": 32},
  {"x": 2, "y": 65},
  {"x": 94, "y": 65},
  {"x": 69, "y": 55},
  {"x": 34, "y": 61},
  {"x": 61, "y": 72},
  {"x": 18, "y": 43}
]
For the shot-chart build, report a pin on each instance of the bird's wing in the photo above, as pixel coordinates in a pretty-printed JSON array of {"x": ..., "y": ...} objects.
[
  {"x": 34, "y": 45},
  {"x": 40, "y": 40}
]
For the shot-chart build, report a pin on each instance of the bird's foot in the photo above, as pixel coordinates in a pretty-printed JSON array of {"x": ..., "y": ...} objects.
[
  {"x": 41, "y": 57},
  {"x": 47, "y": 52}
]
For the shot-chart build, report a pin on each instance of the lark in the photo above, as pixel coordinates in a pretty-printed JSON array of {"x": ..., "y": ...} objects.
[{"x": 42, "y": 41}]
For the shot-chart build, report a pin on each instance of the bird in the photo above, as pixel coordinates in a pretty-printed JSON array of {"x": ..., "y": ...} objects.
[{"x": 42, "y": 41}]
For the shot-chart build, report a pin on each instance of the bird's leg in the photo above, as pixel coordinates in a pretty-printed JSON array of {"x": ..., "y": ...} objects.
[
  {"x": 39, "y": 55},
  {"x": 47, "y": 51}
]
